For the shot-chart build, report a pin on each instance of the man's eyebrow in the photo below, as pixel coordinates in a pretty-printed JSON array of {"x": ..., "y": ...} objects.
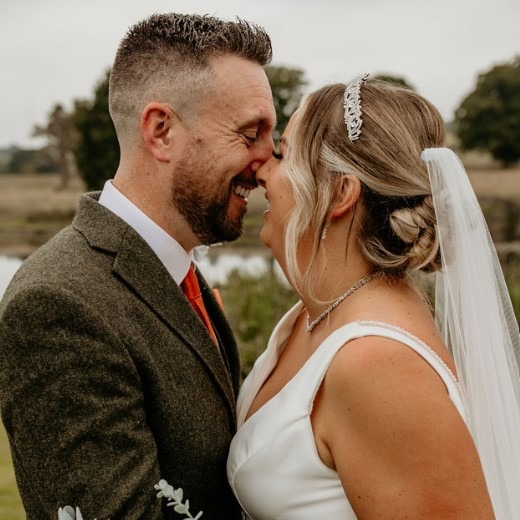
[{"x": 258, "y": 122}]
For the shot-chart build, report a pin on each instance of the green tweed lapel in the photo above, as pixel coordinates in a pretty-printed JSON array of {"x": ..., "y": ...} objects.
[{"x": 146, "y": 276}]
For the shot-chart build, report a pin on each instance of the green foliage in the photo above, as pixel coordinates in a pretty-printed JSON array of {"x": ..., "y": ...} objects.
[
  {"x": 392, "y": 79},
  {"x": 286, "y": 84},
  {"x": 97, "y": 151},
  {"x": 488, "y": 119},
  {"x": 253, "y": 305}
]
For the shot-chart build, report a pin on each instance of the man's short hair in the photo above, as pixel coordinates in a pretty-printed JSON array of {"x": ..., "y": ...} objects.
[{"x": 166, "y": 58}]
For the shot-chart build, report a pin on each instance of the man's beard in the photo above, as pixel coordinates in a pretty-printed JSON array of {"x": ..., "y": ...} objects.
[{"x": 207, "y": 217}]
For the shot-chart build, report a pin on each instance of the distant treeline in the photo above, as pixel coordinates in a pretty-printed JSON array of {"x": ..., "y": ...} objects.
[{"x": 22, "y": 160}]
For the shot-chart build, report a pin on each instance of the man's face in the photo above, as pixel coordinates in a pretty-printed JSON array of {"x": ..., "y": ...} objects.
[{"x": 229, "y": 140}]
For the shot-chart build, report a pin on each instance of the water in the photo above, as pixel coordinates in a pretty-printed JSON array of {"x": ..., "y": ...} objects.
[
  {"x": 8, "y": 266},
  {"x": 215, "y": 268}
]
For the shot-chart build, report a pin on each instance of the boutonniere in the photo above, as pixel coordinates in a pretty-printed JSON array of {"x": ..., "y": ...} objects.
[{"x": 174, "y": 498}]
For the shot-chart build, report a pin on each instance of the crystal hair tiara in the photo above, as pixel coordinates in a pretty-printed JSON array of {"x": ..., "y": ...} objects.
[{"x": 352, "y": 108}]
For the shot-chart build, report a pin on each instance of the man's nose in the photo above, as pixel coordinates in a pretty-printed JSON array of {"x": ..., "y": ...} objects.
[{"x": 263, "y": 153}]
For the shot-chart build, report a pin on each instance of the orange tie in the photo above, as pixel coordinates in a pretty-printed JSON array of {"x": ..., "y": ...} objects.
[{"x": 191, "y": 288}]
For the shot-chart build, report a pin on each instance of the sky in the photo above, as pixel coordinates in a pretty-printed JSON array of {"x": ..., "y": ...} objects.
[{"x": 55, "y": 51}]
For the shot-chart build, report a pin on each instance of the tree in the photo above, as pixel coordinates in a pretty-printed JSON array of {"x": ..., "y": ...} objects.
[
  {"x": 97, "y": 150},
  {"x": 393, "y": 79},
  {"x": 488, "y": 119},
  {"x": 61, "y": 135},
  {"x": 286, "y": 84}
]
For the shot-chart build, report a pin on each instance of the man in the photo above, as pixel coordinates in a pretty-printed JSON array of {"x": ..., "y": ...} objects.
[{"x": 110, "y": 381}]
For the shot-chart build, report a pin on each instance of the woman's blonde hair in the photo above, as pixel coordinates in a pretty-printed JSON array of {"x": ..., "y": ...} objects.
[{"x": 398, "y": 233}]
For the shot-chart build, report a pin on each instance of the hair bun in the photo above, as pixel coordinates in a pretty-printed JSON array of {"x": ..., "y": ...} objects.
[
  {"x": 407, "y": 224},
  {"x": 416, "y": 227}
]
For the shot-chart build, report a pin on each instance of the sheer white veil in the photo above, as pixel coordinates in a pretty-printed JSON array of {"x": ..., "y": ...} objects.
[{"x": 475, "y": 316}]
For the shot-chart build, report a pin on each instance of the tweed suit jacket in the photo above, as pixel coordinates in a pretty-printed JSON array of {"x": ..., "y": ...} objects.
[{"x": 109, "y": 381}]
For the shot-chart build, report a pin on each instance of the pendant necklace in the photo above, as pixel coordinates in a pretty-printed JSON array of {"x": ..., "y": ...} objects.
[{"x": 336, "y": 302}]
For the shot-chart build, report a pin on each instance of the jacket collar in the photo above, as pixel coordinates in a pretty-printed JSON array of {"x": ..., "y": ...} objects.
[{"x": 136, "y": 264}]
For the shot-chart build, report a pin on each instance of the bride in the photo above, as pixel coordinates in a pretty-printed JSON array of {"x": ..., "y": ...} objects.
[{"x": 363, "y": 405}]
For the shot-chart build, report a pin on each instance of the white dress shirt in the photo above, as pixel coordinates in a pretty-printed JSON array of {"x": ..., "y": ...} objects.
[{"x": 172, "y": 255}]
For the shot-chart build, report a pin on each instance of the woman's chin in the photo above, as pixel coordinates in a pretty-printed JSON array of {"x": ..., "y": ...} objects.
[
  {"x": 267, "y": 239},
  {"x": 263, "y": 237}
]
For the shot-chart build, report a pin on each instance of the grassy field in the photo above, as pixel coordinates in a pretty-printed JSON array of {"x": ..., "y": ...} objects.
[
  {"x": 10, "y": 504},
  {"x": 32, "y": 210}
]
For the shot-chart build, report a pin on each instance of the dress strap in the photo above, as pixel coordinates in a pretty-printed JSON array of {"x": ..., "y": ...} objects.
[{"x": 313, "y": 372}]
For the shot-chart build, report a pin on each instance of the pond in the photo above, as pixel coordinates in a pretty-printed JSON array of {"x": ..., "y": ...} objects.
[{"x": 8, "y": 266}]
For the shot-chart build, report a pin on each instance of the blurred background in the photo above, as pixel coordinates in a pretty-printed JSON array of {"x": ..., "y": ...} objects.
[{"x": 57, "y": 140}]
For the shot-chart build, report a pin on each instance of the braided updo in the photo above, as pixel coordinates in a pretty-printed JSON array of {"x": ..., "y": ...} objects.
[
  {"x": 398, "y": 230},
  {"x": 407, "y": 241}
]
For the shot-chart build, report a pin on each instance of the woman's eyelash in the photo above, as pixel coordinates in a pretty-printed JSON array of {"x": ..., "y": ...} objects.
[{"x": 277, "y": 155}]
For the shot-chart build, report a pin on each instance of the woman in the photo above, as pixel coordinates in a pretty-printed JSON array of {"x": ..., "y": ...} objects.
[{"x": 357, "y": 409}]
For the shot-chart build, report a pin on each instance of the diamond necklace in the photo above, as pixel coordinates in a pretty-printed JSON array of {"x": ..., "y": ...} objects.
[{"x": 337, "y": 301}]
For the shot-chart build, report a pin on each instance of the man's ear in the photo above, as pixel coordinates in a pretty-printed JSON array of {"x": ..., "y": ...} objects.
[
  {"x": 347, "y": 195},
  {"x": 157, "y": 125}
]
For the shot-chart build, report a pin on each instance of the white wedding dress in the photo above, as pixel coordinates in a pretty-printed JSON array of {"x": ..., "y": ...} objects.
[{"x": 273, "y": 467}]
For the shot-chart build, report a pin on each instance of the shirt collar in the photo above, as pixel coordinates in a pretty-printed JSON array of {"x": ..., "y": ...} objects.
[{"x": 171, "y": 254}]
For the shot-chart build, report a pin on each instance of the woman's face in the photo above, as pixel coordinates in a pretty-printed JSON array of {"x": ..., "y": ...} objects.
[{"x": 278, "y": 192}]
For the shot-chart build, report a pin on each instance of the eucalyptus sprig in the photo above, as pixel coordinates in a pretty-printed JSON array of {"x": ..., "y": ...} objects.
[
  {"x": 69, "y": 513},
  {"x": 174, "y": 499}
]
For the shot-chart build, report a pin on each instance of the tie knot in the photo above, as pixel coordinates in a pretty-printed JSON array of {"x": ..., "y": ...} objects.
[
  {"x": 190, "y": 285},
  {"x": 191, "y": 288}
]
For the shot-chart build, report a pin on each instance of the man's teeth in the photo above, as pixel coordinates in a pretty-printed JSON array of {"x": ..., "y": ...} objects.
[{"x": 242, "y": 192}]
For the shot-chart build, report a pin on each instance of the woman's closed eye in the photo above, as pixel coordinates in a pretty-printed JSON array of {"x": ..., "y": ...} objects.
[{"x": 277, "y": 155}]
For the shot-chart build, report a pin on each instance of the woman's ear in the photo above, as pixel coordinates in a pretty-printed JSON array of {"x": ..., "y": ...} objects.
[
  {"x": 157, "y": 127},
  {"x": 347, "y": 195}
]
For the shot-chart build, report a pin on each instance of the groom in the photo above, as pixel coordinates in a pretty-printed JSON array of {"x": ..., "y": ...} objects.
[{"x": 110, "y": 378}]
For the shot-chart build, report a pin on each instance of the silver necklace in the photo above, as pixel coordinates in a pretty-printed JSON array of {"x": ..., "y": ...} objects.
[{"x": 337, "y": 301}]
